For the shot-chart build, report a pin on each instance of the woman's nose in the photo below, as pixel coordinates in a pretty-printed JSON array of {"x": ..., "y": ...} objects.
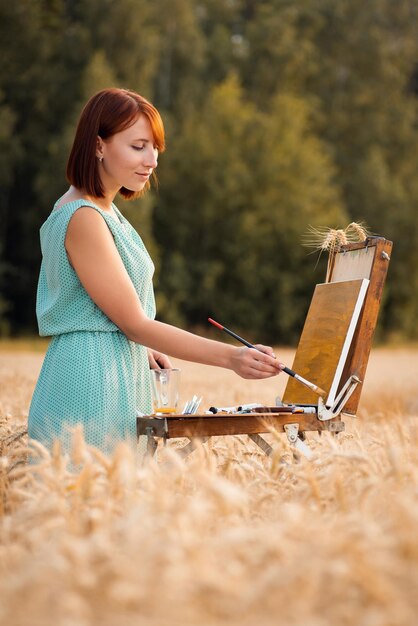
[{"x": 151, "y": 158}]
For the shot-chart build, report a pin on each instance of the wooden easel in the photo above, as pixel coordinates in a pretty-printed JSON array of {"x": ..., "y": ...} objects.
[{"x": 302, "y": 411}]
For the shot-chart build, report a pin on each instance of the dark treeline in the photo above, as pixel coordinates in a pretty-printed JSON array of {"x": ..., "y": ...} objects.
[{"x": 280, "y": 114}]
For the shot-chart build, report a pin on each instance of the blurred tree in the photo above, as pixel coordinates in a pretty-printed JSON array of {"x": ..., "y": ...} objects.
[
  {"x": 50, "y": 182},
  {"x": 230, "y": 225},
  {"x": 368, "y": 56},
  {"x": 281, "y": 48},
  {"x": 357, "y": 60},
  {"x": 40, "y": 54},
  {"x": 295, "y": 189},
  {"x": 130, "y": 39},
  {"x": 181, "y": 53},
  {"x": 51, "y": 66},
  {"x": 279, "y": 114},
  {"x": 9, "y": 153}
]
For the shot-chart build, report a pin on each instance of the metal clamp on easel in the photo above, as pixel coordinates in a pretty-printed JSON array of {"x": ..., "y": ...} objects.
[
  {"x": 294, "y": 438},
  {"x": 328, "y": 413}
]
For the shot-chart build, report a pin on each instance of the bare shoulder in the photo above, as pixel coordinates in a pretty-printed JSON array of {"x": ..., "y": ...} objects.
[
  {"x": 87, "y": 226},
  {"x": 86, "y": 215}
]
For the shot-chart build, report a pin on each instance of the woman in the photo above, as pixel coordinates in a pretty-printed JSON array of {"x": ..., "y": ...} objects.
[{"x": 95, "y": 295}]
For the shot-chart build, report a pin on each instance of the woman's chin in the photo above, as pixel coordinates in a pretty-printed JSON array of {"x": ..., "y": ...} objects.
[{"x": 136, "y": 187}]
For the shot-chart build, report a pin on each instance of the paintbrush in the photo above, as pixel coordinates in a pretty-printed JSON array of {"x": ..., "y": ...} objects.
[{"x": 287, "y": 370}]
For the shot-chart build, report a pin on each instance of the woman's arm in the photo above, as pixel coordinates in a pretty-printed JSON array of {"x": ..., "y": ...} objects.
[{"x": 94, "y": 257}]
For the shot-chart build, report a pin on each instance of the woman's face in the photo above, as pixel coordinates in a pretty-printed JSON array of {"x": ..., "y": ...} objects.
[{"x": 129, "y": 157}]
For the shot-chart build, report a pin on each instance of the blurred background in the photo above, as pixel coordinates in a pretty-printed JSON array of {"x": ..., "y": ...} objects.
[{"x": 280, "y": 115}]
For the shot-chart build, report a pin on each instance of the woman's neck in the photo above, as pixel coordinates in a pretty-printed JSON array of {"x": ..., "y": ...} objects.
[{"x": 104, "y": 203}]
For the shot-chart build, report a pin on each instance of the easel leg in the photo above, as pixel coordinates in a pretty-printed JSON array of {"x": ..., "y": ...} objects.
[
  {"x": 152, "y": 444},
  {"x": 189, "y": 447},
  {"x": 262, "y": 443}
]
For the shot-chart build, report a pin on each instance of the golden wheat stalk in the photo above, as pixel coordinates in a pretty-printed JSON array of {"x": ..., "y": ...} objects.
[
  {"x": 230, "y": 535},
  {"x": 331, "y": 240}
]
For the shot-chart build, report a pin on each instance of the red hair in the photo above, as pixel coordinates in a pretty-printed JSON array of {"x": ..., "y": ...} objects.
[{"x": 108, "y": 112}]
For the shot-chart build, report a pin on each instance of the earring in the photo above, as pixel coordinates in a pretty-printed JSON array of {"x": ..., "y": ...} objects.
[{"x": 100, "y": 159}]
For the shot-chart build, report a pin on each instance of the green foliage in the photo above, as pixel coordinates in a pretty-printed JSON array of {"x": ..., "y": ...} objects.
[
  {"x": 258, "y": 179},
  {"x": 280, "y": 114}
]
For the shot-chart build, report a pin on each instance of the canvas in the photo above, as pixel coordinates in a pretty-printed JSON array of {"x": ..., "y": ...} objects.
[{"x": 326, "y": 338}]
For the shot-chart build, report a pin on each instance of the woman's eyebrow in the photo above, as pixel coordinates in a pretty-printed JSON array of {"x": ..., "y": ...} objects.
[{"x": 146, "y": 140}]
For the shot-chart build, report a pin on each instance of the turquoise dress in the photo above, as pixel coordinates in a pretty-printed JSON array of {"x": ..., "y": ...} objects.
[{"x": 92, "y": 374}]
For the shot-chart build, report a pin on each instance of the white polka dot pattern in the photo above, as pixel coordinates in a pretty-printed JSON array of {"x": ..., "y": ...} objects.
[{"x": 92, "y": 374}]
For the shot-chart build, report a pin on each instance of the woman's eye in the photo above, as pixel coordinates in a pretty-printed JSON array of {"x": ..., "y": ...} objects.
[{"x": 138, "y": 147}]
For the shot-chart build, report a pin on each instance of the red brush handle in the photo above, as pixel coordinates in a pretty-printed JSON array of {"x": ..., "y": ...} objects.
[
  {"x": 217, "y": 324},
  {"x": 230, "y": 332}
]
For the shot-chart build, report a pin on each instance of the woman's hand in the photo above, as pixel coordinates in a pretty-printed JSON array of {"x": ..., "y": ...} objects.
[
  {"x": 251, "y": 363},
  {"x": 158, "y": 360}
]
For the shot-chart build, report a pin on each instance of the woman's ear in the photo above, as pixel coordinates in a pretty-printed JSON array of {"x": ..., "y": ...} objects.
[{"x": 99, "y": 147}]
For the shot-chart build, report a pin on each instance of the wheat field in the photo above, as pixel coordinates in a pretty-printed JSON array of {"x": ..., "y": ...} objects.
[{"x": 226, "y": 535}]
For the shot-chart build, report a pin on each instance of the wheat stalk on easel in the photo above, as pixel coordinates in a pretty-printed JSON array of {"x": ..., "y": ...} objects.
[{"x": 331, "y": 239}]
